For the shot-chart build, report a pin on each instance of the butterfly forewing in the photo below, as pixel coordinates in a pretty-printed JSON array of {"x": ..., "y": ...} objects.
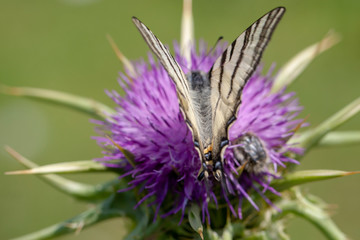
[
  {"x": 177, "y": 75},
  {"x": 231, "y": 72}
]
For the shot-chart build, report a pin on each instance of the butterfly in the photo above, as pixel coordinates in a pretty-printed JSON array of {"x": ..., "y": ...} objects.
[{"x": 209, "y": 102}]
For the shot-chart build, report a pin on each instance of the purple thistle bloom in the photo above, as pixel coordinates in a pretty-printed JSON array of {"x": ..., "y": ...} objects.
[{"x": 150, "y": 125}]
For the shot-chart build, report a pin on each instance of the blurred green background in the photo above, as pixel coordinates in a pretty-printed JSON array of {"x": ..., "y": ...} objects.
[{"x": 61, "y": 45}]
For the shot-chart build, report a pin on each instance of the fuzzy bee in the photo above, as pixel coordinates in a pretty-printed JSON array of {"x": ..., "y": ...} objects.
[{"x": 251, "y": 153}]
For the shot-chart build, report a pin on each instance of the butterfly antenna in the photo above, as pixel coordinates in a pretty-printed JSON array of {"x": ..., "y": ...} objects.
[
  {"x": 210, "y": 51},
  {"x": 215, "y": 45}
]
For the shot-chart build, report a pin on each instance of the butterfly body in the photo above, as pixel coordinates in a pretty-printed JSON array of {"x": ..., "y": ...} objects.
[
  {"x": 210, "y": 101},
  {"x": 200, "y": 93}
]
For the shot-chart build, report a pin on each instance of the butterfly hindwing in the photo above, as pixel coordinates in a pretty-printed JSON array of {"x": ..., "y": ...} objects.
[{"x": 230, "y": 73}]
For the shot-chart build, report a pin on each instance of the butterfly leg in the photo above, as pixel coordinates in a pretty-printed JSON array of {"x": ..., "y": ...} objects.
[
  {"x": 218, "y": 170},
  {"x": 204, "y": 173}
]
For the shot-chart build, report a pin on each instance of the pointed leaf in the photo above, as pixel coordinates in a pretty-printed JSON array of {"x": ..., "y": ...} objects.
[
  {"x": 340, "y": 138},
  {"x": 64, "y": 167},
  {"x": 187, "y": 30},
  {"x": 311, "y": 138},
  {"x": 126, "y": 63},
  {"x": 301, "y": 177},
  {"x": 75, "y": 189},
  {"x": 82, "y": 104},
  {"x": 297, "y": 64},
  {"x": 195, "y": 220}
]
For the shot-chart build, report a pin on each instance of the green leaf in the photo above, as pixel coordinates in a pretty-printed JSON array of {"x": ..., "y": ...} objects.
[
  {"x": 298, "y": 64},
  {"x": 195, "y": 220},
  {"x": 117, "y": 205},
  {"x": 340, "y": 138},
  {"x": 83, "y": 104},
  {"x": 64, "y": 167},
  {"x": 312, "y": 137},
  {"x": 75, "y": 189},
  {"x": 99, "y": 213},
  {"x": 301, "y": 177}
]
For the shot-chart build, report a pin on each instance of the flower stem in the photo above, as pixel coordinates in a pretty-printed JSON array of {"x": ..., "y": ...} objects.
[
  {"x": 313, "y": 213},
  {"x": 75, "y": 189}
]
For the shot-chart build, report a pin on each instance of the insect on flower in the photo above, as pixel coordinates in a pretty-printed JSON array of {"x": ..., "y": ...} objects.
[
  {"x": 210, "y": 102},
  {"x": 251, "y": 153},
  {"x": 208, "y": 110}
]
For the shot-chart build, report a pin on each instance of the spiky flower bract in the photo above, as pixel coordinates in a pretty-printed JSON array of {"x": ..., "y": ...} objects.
[{"x": 149, "y": 124}]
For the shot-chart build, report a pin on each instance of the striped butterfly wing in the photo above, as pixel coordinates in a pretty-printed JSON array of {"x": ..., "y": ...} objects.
[
  {"x": 230, "y": 73},
  {"x": 179, "y": 78}
]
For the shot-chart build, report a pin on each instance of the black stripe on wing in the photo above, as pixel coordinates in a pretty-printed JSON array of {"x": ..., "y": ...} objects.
[
  {"x": 232, "y": 70},
  {"x": 163, "y": 54},
  {"x": 250, "y": 45}
]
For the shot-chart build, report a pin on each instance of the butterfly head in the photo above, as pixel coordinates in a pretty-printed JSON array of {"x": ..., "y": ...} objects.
[
  {"x": 209, "y": 165},
  {"x": 217, "y": 172}
]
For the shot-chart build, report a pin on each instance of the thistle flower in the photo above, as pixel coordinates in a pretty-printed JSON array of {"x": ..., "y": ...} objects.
[
  {"x": 147, "y": 142},
  {"x": 149, "y": 124}
]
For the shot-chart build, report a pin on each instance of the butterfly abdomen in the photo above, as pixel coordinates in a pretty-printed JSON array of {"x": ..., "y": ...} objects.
[{"x": 200, "y": 93}]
